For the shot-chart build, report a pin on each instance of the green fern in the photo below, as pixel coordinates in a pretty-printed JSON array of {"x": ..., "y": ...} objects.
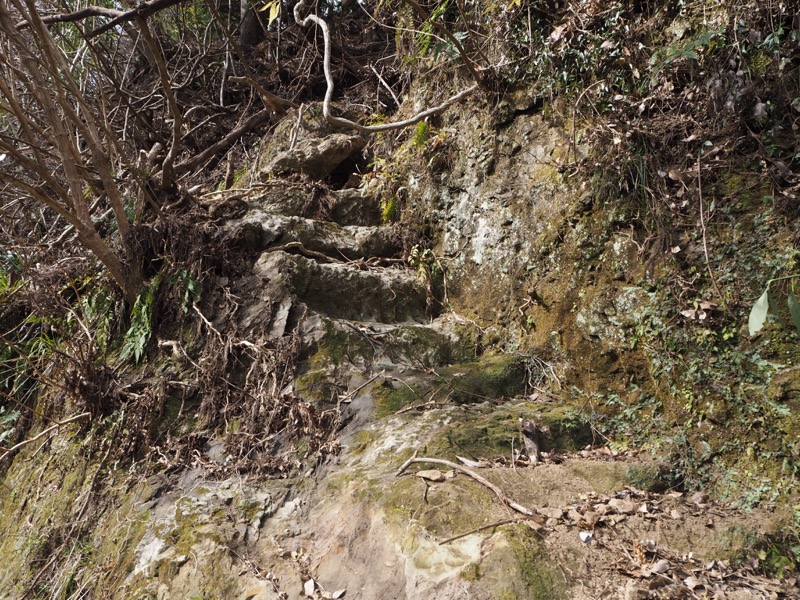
[{"x": 141, "y": 329}]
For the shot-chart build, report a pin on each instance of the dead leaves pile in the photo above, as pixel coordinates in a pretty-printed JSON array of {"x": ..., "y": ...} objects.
[
  {"x": 606, "y": 523},
  {"x": 655, "y": 570}
]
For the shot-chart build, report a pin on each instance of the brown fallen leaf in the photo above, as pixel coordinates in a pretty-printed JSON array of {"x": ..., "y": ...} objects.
[
  {"x": 639, "y": 552},
  {"x": 589, "y": 520}
]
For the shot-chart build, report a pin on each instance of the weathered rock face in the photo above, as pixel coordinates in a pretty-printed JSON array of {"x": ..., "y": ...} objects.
[
  {"x": 504, "y": 201},
  {"x": 410, "y": 377},
  {"x": 317, "y": 158},
  {"x": 308, "y": 146}
]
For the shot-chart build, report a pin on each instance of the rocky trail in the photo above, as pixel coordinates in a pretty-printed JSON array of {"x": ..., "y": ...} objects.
[
  {"x": 409, "y": 380},
  {"x": 282, "y": 330},
  {"x": 483, "y": 521}
]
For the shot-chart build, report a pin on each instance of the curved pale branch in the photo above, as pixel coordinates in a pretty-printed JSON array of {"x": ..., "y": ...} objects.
[
  {"x": 326, "y": 104},
  {"x": 167, "y": 170}
]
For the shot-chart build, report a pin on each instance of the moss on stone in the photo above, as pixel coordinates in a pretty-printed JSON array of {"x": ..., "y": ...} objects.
[
  {"x": 540, "y": 582},
  {"x": 490, "y": 378},
  {"x": 471, "y": 572},
  {"x": 316, "y": 386},
  {"x": 517, "y": 567},
  {"x": 362, "y": 440},
  {"x": 421, "y": 345},
  {"x": 649, "y": 476},
  {"x": 487, "y": 431},
  {"x": 391, "y": 397}
]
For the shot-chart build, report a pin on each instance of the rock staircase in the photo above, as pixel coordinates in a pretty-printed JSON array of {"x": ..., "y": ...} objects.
[{"x": 359, "y": 309}]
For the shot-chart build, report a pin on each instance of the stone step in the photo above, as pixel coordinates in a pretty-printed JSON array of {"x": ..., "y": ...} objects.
[
  {"x": 350, "y": 206},
  {"x": 342, "y": 291},
  {"x": 388, "y": 345},
  {"x": 338, "y": 350},
  {"x": 259, "y": 230}
]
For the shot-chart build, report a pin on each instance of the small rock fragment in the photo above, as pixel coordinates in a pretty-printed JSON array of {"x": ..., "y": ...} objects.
[
  {"x": 552, "y": 513},
  {"x": 623, "y": 507},
  {"x": 434, "y": 475},
  {"x": 692, "y": 582}
]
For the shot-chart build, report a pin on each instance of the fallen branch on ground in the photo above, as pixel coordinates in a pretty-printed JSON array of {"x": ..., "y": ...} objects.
[
  {"x": 470, "y": 473},
  {"x": 479, "y": 529},
  {"x": 301, "y": 249}
]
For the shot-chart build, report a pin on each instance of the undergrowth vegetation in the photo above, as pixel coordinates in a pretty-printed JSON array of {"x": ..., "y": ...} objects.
[{"x": 695, "y": 108}]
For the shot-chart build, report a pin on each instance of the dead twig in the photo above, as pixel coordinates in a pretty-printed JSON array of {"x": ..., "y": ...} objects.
[
  {"x": 481, "y": 528},
  {"x": 212, "y": 151},
  {"x": 298, "y": 246},
  {"x": 513, "y": 458},
  {"x": 703, "y": 228},
  {"x": 386, "y": 85},
  {"x": 348, "y": 397},
  {"x": 43, "y": 433},
  {"x": 470, "y": 473}
]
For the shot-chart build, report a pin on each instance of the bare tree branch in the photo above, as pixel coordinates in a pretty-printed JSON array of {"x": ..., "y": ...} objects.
[
  {"x": 143, "y": 10},
  {"x": 207, "y": 154},
  {"x": 167, "y": 172},
  {"x": 40, "y": 69}
]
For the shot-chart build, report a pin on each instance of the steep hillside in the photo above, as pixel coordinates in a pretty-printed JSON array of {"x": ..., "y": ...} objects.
[{"x": 518, "y": 349}]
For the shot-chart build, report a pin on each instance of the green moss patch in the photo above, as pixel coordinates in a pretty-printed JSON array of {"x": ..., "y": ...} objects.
[
  {"x": 491, "y": 378},
  {"x": 517, "y": 567},
  {"x": 487, "y": 431}
]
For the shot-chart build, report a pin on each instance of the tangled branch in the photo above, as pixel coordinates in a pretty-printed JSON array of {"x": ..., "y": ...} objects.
[{"x": 326, "y": 104}]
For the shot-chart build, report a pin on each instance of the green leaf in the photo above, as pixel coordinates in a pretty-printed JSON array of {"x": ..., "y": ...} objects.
[
  {"x": 758, "y": 314},
  {"x": 138, "y": 335},
  {"x": 794, "y": 310}
]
